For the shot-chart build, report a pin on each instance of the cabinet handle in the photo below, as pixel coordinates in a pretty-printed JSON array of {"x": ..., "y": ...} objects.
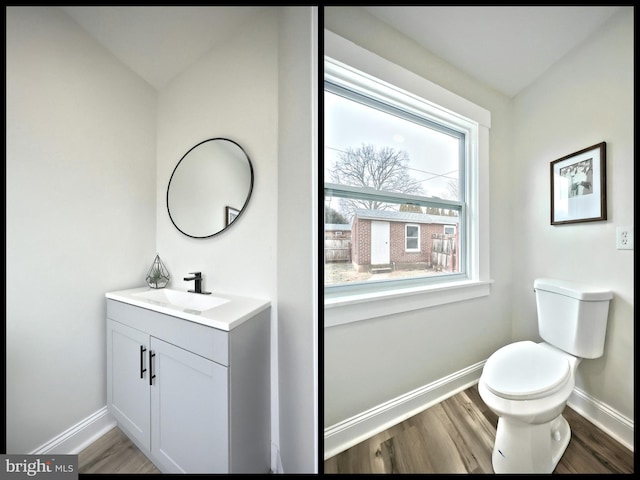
[
  {"x": 151, "y": 375},
  {"x": 142, "y": 370}
]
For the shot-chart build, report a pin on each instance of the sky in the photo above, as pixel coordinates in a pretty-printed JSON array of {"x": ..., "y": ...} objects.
[{"x": 433, "y": 155}]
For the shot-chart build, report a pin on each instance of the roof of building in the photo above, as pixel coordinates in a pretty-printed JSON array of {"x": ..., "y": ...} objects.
[
  {"x": 337, "y": 226},
  {"x": 406, "y": 217}
]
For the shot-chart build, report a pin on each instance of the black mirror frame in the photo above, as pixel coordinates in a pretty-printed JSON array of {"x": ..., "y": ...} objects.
[{"x": 226, "y": 225}]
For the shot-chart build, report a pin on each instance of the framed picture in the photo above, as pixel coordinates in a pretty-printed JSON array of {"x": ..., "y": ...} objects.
[
  {"x": 578, "y": 186},
  {"x": 230, "y": 215}
]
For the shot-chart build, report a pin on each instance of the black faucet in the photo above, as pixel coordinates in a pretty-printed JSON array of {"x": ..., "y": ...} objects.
[{"x": 198, "y": 280}]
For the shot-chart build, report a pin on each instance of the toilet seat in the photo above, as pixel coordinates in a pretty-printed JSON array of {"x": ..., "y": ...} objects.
[{"x": 525, "y": 370}]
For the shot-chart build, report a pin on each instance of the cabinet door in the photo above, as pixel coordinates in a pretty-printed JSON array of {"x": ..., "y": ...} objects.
[
  {"x": 128, "y": 380},
  {"x": 189, "y": 411}
]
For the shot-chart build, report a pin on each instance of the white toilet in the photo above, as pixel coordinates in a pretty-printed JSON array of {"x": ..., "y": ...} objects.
[{"x": 527, "y": 384}]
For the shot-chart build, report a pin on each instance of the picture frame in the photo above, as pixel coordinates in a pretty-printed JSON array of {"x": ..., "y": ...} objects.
[
  {"x": 578, "y": 186},
  {"x": 230, "y": 215}
]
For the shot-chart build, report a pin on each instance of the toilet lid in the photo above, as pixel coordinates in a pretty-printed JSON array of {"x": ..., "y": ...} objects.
[{"x": 525, "y": 370}]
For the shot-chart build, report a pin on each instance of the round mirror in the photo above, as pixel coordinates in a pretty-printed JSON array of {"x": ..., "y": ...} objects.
[{"x": 209, "y": 188}]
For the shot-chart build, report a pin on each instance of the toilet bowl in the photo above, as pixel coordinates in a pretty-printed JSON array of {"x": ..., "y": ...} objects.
[{"x": 527, "y": 385}]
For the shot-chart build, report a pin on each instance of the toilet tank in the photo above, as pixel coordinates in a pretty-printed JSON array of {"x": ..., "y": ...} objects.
[{"x": 572, "y": 316}]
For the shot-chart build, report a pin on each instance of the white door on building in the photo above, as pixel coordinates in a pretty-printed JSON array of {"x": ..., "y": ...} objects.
[{"x": 380, "y": 254}]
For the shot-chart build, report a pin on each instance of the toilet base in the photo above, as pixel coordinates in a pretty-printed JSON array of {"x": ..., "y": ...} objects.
[{"x": 527, "y": 448}]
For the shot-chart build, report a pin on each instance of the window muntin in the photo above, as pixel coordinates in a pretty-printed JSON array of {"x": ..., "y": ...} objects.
[{"x": 361, "y": 132}]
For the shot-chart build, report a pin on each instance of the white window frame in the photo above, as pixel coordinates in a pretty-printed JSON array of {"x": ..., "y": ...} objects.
[
  {"x": 407, "y": 237},
  {"x": 349, "y": 64}
]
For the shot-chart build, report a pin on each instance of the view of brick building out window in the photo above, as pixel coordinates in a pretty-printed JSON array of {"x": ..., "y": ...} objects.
[{"x": 394, "y": 195}]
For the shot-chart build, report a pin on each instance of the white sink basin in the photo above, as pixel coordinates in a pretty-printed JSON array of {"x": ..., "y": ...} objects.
[
  {"x": 223, "y": 311},
  {"x": 182, "y": 300}
]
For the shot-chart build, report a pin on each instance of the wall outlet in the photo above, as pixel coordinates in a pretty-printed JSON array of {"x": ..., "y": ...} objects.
[{"x": 624, "y": 238}]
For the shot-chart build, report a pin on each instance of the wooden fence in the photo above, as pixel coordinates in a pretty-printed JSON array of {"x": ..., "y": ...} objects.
[
  {"x": 337, "y": 250},
  {"x": 443, "y": 252}
]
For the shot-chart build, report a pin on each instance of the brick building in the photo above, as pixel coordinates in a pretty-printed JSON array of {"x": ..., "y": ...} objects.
[{"x": 404, "y": 240}]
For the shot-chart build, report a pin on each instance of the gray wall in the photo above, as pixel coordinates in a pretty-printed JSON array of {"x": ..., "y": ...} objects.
[
  {"x": 81, "y": 182},
  {"x": 584, "y": 99}
]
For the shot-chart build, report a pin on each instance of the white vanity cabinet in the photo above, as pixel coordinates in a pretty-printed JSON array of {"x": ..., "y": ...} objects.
[{"x": 193, "y": 398}]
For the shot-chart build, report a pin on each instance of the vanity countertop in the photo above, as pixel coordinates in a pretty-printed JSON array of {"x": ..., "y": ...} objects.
[{"x": 225, "y": 316}]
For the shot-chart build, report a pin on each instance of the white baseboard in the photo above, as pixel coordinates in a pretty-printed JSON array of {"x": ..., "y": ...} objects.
[
  {"x": 604, "y": 417},
  {"x": 350, "y": 432},
  {"x": 75, "y": 439},
  {"x": 276, "y": 460},
  {"x": 354, "y": 430}
]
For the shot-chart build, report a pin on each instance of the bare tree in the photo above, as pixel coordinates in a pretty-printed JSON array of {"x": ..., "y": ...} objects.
[
  {"x": 381, "y": 168},
  {"x": 452, "y": 187}
]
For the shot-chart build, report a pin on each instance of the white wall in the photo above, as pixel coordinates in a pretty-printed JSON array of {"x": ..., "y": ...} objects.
[
  {"x": 297, "y": 239},
  {"x": 256, "y": 89},
  {"x": 233, "y": 93},
  {"x": 586, "y": 98},
  {"x": 80, "y": 164},
  {"x": 86, "y": 207},
  {"x": 367, "y": 363}
]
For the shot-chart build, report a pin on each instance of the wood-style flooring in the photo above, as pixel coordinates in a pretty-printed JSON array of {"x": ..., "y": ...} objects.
[
  {"x": 114, "y": 453},
  {"x": 457, "y": 435},
  {"x": 454, "y": 436}
]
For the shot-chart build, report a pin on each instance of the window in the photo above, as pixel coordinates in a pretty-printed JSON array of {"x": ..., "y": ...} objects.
[
  {"x": 390, "y": 161},
  {"x": 402, "y": 173},
  {"x": 412, "y": 238}
]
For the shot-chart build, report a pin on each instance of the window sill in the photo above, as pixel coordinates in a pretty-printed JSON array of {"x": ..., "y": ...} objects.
[{"x": 365, "y": 306}]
